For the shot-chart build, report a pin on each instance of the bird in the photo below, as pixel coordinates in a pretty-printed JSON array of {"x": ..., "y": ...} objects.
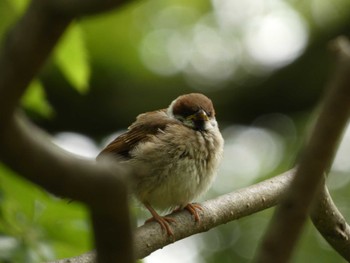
[{"x": 178, "y": 151}]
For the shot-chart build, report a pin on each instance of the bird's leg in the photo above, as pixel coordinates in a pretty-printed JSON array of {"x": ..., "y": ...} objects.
[
  {"x": 193, "y": 209},
  {"x": 162, "y": 220}
]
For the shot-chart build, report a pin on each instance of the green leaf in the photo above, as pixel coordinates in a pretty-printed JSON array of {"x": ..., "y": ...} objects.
[
  {"x": 34, "y": 99},
  {"x": 71, "y": 57},
  {"x": 19, "y": 5}
]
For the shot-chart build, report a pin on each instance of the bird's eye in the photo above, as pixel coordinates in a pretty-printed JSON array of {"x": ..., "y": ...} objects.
[{"x": 188, "y": 112}]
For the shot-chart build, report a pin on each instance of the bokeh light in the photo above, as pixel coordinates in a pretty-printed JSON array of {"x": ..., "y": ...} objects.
[
  {"x": 77, "y": 144},
  {"x": 250, "y": 152},
  {"x": 275, "y": 39},
  {"x": 208, "y": 49},
  {"x": 184, "y": 251}
]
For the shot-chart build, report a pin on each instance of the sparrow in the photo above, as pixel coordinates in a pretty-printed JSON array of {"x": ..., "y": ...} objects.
[{"x": 177, "y": 150}]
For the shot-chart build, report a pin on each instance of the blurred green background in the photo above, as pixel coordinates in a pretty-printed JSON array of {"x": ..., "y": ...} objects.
[{"x": 263, "y": 63}]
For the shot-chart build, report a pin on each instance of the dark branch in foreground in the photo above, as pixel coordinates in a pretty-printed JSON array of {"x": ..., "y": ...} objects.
[
  {"x": 26, "y": 150},
  {"x": 290, "y": 215},
  {"x": 24, "y": 51}
]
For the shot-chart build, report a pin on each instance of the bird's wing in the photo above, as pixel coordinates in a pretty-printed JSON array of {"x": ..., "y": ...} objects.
[{"x": 146, "y": 124}]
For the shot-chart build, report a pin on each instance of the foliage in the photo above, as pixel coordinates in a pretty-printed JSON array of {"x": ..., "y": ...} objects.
[
  {"x": 71, "y": 58},
  {"x": 35, "y": 100},
  {"x": 37, "y": 226}
]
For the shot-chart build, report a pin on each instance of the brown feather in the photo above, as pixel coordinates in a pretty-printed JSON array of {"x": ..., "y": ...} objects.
[{"x": 146, "y": 124}]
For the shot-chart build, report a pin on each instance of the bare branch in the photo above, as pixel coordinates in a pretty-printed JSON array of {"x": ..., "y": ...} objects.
[
  {"x": 290, "y": 215},
  {"x": 26, "y": 150},
  {"x": 220, "y": 210},
  {"x": 244, "y": 202},
  {"x": 89, "y": 257},
  {"x": 325, "y": 216},
  {"x": 331, "y": 224},
  {"x": 29, "y": 152}
]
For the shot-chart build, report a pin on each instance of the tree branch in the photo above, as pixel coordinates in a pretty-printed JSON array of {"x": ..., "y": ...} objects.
[
  {"x": 220, "y": 210},
  {"x": 25, "y": 50},
  {"x": 30, "y": 153},
  {"x": 229, "y": 207},
  {"x": 290, "y": 215},
  {"x": 150, "y": 237},
  {"x": 89, "y": 257},
  {"x": 331, "y": 224}
]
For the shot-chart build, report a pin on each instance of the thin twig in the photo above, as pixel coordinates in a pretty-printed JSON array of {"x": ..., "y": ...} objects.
[{"x": 331, "y": 224}]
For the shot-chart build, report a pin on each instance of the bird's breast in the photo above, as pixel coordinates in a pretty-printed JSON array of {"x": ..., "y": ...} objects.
[{"x": 179, "y": 164}]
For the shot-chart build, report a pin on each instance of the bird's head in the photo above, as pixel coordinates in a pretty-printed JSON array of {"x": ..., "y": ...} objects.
[{"x": 194, "y": 110}]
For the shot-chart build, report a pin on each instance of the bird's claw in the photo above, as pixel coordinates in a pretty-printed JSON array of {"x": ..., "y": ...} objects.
[
  {"x": 193, "y": 209},
  {"x": 164, "y": 223}
]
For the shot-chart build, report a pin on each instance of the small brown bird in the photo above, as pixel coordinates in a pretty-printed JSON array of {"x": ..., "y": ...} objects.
[{"x": 178, "y": 150}]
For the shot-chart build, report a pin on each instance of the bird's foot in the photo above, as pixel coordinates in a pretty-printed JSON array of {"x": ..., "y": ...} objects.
[
  {"x": 193, "y": 209},
  {"x": 162, "y": 220},
  {"x": 164, "y": 223}
]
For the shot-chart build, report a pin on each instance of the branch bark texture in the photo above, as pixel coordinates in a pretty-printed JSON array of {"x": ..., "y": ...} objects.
[
  {"x": 331, "y": 224},
  {"x": 229, "y": 207},
  {"x": 223, "y": 209},
  {"x": 220, "y": 210}
]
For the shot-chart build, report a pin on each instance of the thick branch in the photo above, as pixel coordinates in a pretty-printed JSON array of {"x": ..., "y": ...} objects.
[
  {"x": 29, "y": 152},
  {"x": 290, "y": 215},
  {"x": 26, "y": 150}
]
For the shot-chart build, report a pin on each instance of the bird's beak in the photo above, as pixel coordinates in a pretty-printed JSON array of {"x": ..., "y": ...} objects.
[{"x": 200, "y": 115}]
